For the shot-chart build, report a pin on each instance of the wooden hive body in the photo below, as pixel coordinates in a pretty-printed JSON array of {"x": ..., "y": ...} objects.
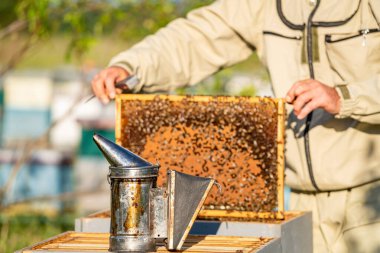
[
  {"x": 74, "y": 242},
  {"x": 237, "y": 141}
]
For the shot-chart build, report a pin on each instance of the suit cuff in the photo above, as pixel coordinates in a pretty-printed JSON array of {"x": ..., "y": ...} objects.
[{"x": 347, "y": 104}]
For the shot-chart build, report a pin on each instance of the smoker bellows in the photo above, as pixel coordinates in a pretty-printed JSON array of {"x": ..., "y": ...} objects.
[{"x": 141, "y": 212}]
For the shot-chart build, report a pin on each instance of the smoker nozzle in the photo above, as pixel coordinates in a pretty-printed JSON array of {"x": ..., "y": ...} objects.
[{"x": 118, "y": 156}]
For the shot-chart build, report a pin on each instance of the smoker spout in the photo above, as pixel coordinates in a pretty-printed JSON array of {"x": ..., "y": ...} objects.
[{"x": 118, "y": 156}]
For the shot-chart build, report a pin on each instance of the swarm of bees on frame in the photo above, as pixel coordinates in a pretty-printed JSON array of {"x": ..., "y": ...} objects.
[{"x": 231, "y": 140}]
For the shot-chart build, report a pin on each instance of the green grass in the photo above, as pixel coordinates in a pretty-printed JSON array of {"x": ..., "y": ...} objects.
[{"x": 17, "y": 232}]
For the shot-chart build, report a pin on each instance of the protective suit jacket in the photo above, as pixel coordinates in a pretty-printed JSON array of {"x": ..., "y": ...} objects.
[{"x": 336, "y": 42}]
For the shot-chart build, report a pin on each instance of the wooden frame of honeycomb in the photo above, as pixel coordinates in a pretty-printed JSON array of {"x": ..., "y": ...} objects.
[{"x": 239, "y": 141}]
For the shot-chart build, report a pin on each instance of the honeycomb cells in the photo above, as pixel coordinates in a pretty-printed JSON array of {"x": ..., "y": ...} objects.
[{"x": 231, "y": 140}]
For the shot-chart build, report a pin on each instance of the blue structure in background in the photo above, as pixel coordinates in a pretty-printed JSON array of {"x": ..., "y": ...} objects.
[
  {"x": 40, "y": 177},
  {"x": 48, "y": 173},
  {"x": 287, "y": 198},
  {"x": 87, "y": 148},
  {"x": 1, "y": 111},
  {"x": 24, "y": 124}
]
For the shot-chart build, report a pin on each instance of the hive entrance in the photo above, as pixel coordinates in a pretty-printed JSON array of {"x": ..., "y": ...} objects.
[{"x": 237, "y": 141}]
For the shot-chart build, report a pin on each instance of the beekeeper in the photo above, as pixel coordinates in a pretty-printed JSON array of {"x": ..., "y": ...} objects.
[{"x": 323, "y": 57}]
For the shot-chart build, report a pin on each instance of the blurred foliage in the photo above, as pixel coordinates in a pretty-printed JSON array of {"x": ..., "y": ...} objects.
[
  {"x": 17, "y": 232},
  {"x": 77, "y": 27},
  {"x": 7, "y": 12},
  {"x": 215, "y": 86},
  {"x": 84, "y": 20},
  {"x": 248, "y": 91}
]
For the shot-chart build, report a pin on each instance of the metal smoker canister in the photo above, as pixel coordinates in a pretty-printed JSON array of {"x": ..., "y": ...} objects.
[
  {"x": 134, "y": 226},
  {"x": 130, "y": 214},
  {"x": 131, "y": 178}
]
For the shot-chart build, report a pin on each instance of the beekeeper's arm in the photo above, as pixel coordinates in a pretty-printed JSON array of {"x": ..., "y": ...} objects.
[{"x": 188, "y": 49}]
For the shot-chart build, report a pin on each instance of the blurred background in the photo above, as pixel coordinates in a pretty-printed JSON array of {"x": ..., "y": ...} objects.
[{"x": 50, "y": 170}]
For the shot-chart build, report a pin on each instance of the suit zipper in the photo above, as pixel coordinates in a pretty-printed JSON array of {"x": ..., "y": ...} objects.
[
  {"x": 309, "y": 40},
  {"x": 363, "y": 33}
]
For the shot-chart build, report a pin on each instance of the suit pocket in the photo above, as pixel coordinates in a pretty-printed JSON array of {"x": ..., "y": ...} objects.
[{"x": 354, "y": 57}]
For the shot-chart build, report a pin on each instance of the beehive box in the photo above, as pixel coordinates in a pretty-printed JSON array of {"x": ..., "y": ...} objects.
[
  {"x": 99, "y": 242},
  {"x": 239, "y": 141},
  {"x": 294, "y": 231}
]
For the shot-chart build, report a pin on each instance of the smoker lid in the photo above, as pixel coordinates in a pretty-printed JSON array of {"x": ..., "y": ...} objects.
[
  {"x": 117, "y": 156},
  {"x": 186, "y": 196}
]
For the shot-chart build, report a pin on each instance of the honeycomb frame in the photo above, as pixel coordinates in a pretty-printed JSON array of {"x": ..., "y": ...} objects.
[{"x": 210, "y": 211}]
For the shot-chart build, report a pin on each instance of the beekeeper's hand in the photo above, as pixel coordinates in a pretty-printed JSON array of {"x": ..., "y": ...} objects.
[
  {"x": 103, "y": 84},
  {"x": 308, "y": 95}
]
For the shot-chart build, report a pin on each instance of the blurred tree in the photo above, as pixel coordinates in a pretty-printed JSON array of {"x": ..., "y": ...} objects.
[
  {"x": 23, "y": 23},
  {"x": 83, "y": 20}
]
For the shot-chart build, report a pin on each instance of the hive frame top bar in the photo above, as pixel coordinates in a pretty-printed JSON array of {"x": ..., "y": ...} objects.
[
  {"x": 224, "y": 214},
  {"x": 199, "y": 98}
]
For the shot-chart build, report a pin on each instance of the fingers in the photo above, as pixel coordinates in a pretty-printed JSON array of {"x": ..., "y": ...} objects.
[
  {"x": 297, "y": 89},
  {"x": 103, "y": 84},
  {"x": 99, "y": 89},
  {"x": 309, "y": 95},
  {"x": 110, "y": 80},
  {"x": 308, "y": 108},
  {"x": 302, "y": 100}
]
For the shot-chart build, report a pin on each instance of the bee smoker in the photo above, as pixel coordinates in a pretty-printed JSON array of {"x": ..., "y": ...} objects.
[{"x": 141, "y": 212}]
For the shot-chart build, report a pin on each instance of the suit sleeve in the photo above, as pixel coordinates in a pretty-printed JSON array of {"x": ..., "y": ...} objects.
[
  {"x": 361, "y": 100},
  {"x": 190, "y": 49}
]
